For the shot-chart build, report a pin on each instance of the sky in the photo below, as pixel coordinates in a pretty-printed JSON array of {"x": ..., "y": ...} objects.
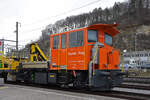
[{"x": 34, "y": 15}]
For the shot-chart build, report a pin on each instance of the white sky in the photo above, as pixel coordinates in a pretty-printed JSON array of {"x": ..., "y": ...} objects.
[{"x": 36, "y": 14}]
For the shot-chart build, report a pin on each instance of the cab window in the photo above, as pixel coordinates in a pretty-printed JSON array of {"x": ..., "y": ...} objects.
[
  {"x": 92, "y": 35},
  {"x": 108, "y": 39},
  {"x": 76, "y": 39},
  {"x": 55, "y": 42},
  {"x": 63, "y": 41}
]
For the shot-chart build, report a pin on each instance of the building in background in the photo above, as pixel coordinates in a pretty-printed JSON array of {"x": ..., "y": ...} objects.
[{"x": 139, "y": 59}]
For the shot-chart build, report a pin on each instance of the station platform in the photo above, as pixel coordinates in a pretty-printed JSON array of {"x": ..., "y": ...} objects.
[{"x": 17, "y": 92}]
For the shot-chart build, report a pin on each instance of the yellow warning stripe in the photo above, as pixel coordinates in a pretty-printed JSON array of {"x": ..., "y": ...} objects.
[{"x": 4, "y": 87}]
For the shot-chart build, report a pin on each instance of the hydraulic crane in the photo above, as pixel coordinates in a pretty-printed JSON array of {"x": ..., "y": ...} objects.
[{"x": 36, "y": 54}]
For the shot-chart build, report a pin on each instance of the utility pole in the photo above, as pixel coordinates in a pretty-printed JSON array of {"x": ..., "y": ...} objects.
[
  {"x": 135, "y": 39},
  {"x": 17, "y": 36},
  {"x": 2, "y": 44}
]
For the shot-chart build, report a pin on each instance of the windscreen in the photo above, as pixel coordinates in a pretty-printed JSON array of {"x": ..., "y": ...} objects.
[
  {"x": 92, "y": 35},
  {"x": 108, "y": 39}
]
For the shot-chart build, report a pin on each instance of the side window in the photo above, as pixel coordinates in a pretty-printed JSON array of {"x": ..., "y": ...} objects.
[
  {"x": 63, "y": 41},
  {"x": 50, "y": 41},
  {"x": 92, "y": 35},
  {"x": 76, "y": 39},
  {"x": 108, "y": 39},
  {"x": 55, "y": 42},
  {"x": 72, "y": 38},
  {"x": 80, "y": 38}
]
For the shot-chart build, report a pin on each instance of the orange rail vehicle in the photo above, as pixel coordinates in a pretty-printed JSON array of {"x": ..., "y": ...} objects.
[
  {"x": 82, "y": 58},
  {"x": 85, "y": 57}
]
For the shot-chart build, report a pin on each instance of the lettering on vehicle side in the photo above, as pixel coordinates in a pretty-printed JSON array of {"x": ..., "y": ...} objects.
[
  {"x": 81, "y": 53},
  {"x": 75, "y": 53}
]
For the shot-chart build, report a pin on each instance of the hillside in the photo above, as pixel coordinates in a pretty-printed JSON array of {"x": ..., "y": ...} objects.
[
  {"x": 132, "y": 15},
  {"x": 134, "y": 38}
]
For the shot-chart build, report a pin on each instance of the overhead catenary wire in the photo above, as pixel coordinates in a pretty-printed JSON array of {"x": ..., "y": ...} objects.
[
  {"x": 32, "y": 30},
  {"x": 69, "y": 11}
]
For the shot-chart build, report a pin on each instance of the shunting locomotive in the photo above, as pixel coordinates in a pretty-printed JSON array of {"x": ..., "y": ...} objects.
[{"x": 82, "y": 58}]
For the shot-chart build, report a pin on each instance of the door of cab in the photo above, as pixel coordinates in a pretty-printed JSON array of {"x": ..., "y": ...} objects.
[
  {"x": 103, "y": 59},
  {"x": 55, "y": 52},
  {"x": 76, "y": 50},
  {"x": 63, "y": 52}
]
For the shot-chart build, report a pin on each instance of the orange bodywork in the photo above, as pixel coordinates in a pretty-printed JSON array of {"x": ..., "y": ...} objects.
[{"x": 78, "y": 58}]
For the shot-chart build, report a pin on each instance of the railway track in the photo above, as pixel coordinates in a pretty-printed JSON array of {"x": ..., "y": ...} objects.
[
  {"x": 127, "y": 95},
  {"x": 142, "y": 83},
  {"x": 114, "y": 93},
  {"x": 136, "y": 86},
  {"x": 145, "y": 80}
]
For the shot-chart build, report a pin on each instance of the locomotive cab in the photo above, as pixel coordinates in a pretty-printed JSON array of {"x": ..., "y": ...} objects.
[
  {"x": 86, "y": 57},
  {"x": 104, "y": 72}
]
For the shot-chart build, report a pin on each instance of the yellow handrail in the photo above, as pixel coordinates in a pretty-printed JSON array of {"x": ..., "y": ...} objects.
[{"x": 94, "y": 61}]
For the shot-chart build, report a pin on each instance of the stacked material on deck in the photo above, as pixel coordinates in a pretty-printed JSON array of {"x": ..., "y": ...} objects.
[{"x": 42, "y": 64}]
